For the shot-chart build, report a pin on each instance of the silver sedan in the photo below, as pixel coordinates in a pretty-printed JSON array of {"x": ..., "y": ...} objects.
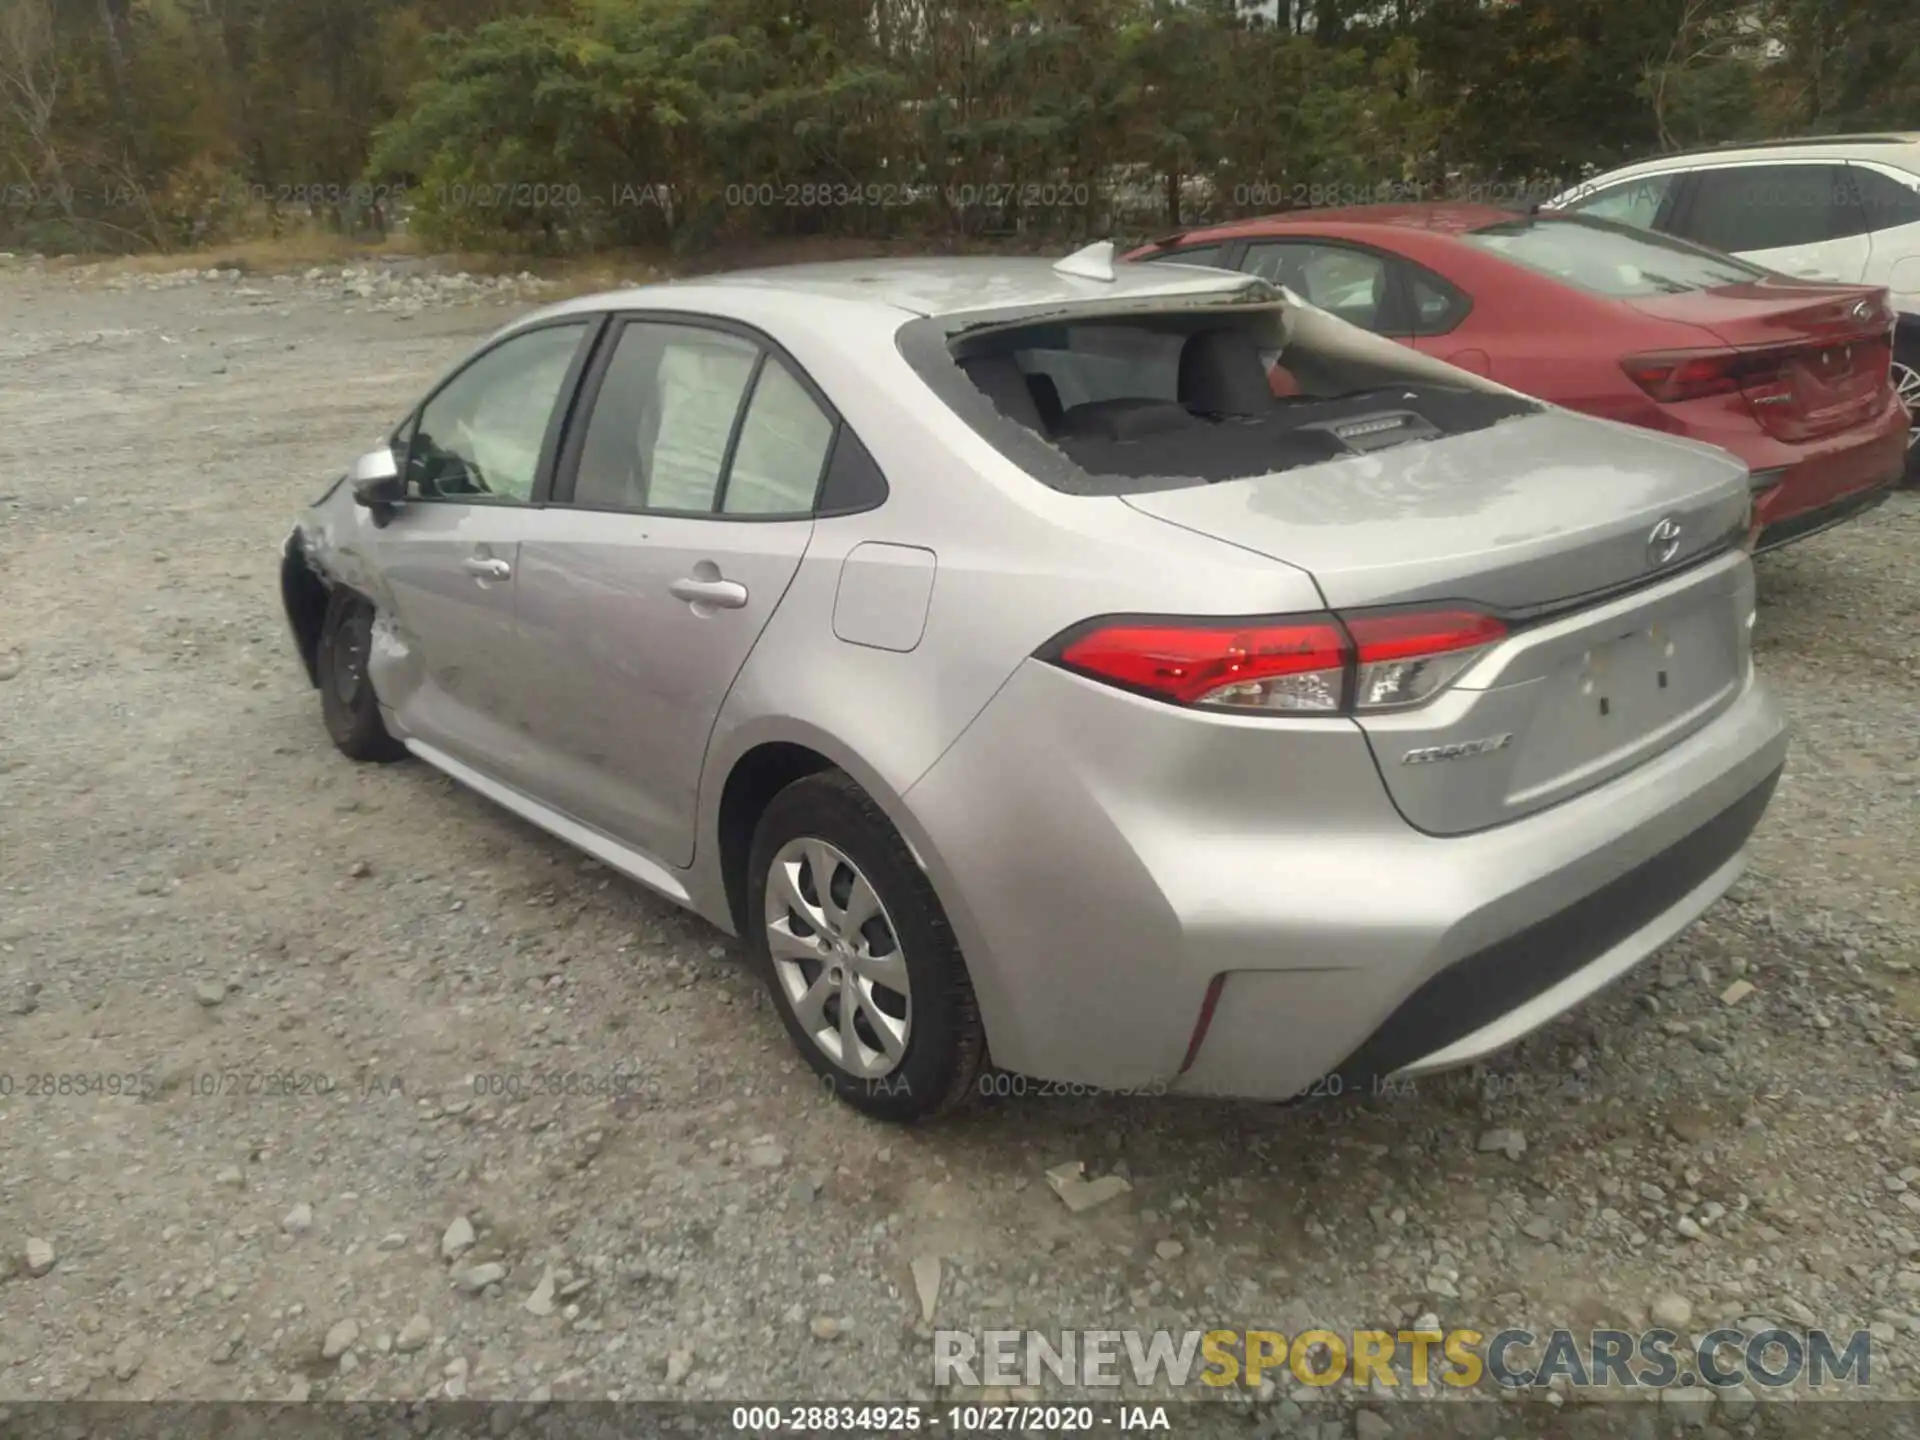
[{"x": 1031, "y": 679}]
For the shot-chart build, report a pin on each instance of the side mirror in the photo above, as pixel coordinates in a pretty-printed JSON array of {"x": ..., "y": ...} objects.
[{"x": 377, "y": 483}]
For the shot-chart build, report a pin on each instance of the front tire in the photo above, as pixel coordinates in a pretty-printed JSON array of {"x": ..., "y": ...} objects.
[
  {"x": 347, "y": 702},
  {"x": 858, "y": 956}
]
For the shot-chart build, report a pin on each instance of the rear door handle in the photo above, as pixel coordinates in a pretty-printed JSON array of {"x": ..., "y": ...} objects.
[
  {"x": 487, "y": 568},
  {"x": 727, "y": 594}
]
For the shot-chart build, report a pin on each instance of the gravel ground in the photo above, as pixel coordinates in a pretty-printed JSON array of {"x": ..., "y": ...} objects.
[{"x": 311, "y": 980}]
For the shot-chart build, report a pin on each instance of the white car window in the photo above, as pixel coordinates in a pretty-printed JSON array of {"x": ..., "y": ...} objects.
[
  {"x": 1888, "y": 203},
  {"x": 783, "y": 448},
  {"x": 1632, "y": 202},
  {"x": 1742, "y": 208}
]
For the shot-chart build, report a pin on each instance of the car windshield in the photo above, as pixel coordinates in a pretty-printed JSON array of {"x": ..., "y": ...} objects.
[{"x": 1608, "y": 259}]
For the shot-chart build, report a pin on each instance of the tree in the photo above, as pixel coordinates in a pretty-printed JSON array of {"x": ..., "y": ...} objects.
[
  {"x": 557, "y": 125},
  {"x": 30, "y": 89}
]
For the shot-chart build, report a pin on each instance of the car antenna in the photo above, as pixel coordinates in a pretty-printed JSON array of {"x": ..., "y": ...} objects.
[{"x": 1092, "y": 262}]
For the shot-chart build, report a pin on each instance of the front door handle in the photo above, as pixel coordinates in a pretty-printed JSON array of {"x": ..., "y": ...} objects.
[
  {"x": 487, "y": 568},
  {"x": 726, "y": 594}
]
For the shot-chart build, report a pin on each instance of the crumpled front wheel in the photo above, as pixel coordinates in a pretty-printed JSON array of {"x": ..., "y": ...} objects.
[{"x": 347, "y": 702}]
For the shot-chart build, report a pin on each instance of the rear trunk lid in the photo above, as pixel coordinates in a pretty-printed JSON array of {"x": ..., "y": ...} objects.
[
  {"x": 1811, "y": 359},
  {"x": 1595, "y": 542},
  {"x": 1527, "y": 514},
  {"x": 1569, "y": 704}
]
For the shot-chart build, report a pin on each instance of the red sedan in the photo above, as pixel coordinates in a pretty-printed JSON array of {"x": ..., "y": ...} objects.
[{"x": 1792, "y": 376}]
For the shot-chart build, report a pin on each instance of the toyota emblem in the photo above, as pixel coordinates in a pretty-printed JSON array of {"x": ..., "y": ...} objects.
[
  {"x": 1663, "y": 543},
  {"x": 1863, "y": 310}
]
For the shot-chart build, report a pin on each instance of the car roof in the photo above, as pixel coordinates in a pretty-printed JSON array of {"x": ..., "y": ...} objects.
[
  {"x": 937, "y": 287},
  {"x": 1866, "y": 144},
  {"x": 1446, "y": 217},
  {"x": 1901, "y": 147}
]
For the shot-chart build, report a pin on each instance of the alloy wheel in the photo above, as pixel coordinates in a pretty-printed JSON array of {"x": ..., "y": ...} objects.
[
  {"x": 1906, "y": 384},
  {"x": 837, "y": 958}
]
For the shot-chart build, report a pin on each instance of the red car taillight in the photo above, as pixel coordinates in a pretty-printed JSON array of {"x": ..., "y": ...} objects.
[
  {"x": 1677, "y": 375},
  {"x": 1298, "y": 665},
  {"x": 1293, "y": 665}
]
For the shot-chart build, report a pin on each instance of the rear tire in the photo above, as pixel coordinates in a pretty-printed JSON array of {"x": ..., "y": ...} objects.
[
  {"x": 858, "y": 956},
  {"x": 1906, "y": 381},
  {"x": 347, "y": 702}
]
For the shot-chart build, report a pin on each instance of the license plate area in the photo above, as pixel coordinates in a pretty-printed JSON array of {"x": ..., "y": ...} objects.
[
  {"x": 1624, "y": 692},
  {"x": 1631, "y": 680}
]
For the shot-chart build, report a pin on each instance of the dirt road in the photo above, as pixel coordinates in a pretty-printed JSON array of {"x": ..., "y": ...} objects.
[{"x": 272, "y": 1024}]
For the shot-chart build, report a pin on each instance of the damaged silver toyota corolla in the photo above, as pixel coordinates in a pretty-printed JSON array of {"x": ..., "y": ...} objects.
[{"x": 1127, "y": 672}]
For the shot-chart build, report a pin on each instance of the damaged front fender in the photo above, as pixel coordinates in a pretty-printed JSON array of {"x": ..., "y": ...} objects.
[
  {"x": 332, "y": 537},
  {"x": 303, "y": 596},
  {"x": 393, "y": 665},
  {"x": 323, "y": 551}
]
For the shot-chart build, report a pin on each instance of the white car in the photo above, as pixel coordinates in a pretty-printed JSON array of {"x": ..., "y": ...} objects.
[{"x": 1836, "y": 207}]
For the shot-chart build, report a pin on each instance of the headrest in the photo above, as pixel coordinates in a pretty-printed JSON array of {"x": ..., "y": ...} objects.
[{"x": 1221, "y": 374}]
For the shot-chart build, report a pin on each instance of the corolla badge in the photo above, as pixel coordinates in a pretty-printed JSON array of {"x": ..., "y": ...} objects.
[
  {"x": 1463, "y": 750},
  {"x": 1663, "y": 541}
]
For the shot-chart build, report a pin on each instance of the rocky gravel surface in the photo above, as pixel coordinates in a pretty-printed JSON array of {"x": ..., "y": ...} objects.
[{"x": 332, "y": 1081}]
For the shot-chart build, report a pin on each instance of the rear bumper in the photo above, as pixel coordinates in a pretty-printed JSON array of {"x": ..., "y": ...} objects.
[
  {"x": 1495, "y": 996},
  {"x": 1100, "y": 886},
  {"x": 1826, "y": 481},
  {"x": 1825, "y": 517}
]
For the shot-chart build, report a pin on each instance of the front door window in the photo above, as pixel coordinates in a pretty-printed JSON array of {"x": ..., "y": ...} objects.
[{"x": 480, "y": 438}]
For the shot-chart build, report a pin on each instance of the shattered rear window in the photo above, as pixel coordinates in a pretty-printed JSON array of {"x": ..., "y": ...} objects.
[{"x": 1170, "y": 398}]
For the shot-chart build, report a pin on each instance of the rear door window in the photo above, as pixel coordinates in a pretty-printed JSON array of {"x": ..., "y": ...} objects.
[
  {"x": 1339, "y": 279},
  {"x": 658, "y": 435},
  {"x": 1608, "y": 259},
  {"x": 783, "y": 446},
  {"x": 1433, "y": 307},
  {"x": 1771, "y": 207},
  {"x": 690, "y": 419}
]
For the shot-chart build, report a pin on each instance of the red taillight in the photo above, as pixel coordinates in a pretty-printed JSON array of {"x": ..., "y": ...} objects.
[
  {"x": 1409, "y": 657},
  {"x": 1693, "y": 375},
  {"x": 1202, "y": 661},
  {"x": 1409, "y": 634},
  {"x": 1301, "y": 665}
]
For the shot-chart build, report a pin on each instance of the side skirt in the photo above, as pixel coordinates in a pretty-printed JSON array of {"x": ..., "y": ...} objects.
[{"x": 597, "y": 843}]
